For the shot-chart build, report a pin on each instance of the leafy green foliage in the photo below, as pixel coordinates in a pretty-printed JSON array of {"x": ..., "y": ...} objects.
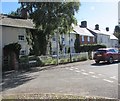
[
  {"x": 90, "y": 47},
  {"x": 13, "y": 47},
  {"x": 50, "y": 18},
  {"x": 117, "y": 32},
  {"x": 77, "y": 44},
  {"x": 16, "y": 13}
]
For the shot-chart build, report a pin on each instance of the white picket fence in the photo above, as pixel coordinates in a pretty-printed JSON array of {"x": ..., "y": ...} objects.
[{"x": 82, "y": 54}]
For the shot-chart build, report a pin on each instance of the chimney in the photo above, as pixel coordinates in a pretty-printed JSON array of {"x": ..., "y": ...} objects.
[
  {"x": 96, "y": 27},
  {"x": 107, "y": 29},
  {"x": 24, "y": 13},
  {"x": 83, "y": 24}
]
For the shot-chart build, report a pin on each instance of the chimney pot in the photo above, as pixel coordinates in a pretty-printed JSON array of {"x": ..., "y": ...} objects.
[
  {"x": 96, "y": 27},
  {"x": 83, "y": 24},
  {"x": 107, "y": 29}
]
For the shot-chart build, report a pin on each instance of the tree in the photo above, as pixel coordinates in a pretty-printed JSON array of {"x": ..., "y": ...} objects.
[
  {"x": 51, "y": 17},
  {"x": 77, "y": 44},
  {"x": 117, "y": 32},
  {"x": 16, "y": 13}
]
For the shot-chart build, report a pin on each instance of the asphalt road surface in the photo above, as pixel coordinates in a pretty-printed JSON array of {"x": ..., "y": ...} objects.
[{"x": 80, "y": 78}]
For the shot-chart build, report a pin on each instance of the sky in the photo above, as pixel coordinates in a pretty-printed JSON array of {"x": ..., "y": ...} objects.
[
  {"x": 93, "y": 11},
  {"x": 103, "y": 13}
]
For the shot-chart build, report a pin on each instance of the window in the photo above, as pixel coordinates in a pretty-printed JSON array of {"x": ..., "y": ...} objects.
[
  {"x": 82, "y": 38},
  {"x": 63, "y": 39},
  {"x": 53, "y": 38},
  {"x": 21, "y": 37},
  {"x": 88, "y": 39},
  {"x": 22, "y": 52},
  {"x": 112, "y": 50}
]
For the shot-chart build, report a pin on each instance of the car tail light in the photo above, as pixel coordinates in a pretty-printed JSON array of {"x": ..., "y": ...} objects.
[{"x": 105, "y": 54}]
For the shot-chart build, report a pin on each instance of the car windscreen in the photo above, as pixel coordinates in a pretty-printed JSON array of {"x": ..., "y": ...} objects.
[{"x": 101, "y": 51}]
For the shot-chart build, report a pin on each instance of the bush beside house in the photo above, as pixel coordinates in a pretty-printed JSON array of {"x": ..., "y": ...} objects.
[{"x": 11, "y": 56}]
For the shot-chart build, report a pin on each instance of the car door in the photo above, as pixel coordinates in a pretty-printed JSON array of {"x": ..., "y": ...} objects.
[{"x": 114, "y": 54}]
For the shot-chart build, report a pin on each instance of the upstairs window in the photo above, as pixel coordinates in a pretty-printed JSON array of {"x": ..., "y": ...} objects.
[{"x": 21, "y": 37}]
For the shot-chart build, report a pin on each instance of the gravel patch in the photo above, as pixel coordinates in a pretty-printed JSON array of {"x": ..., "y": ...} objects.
[{"x": 54, "y": 97}]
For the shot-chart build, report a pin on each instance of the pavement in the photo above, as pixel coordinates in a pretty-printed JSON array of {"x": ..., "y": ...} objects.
[{"x": 80, "y": 78}]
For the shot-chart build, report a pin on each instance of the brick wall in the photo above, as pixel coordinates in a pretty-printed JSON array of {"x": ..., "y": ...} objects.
[{"x": 86, "y": 40}]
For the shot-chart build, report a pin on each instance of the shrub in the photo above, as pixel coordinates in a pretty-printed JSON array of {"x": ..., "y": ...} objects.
[
  {"x": 62, "y": 61},
  {"x": 83, "y": 59},
  {"x": 29, "y": 61},
  {"x": 90, "y": 47}
]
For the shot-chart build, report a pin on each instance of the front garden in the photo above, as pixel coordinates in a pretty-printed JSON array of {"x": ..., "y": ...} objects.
[{"x": 26, "y": 62}]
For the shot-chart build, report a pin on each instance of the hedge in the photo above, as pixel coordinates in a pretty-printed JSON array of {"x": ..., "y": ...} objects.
[{"x": 90, "y": 47}]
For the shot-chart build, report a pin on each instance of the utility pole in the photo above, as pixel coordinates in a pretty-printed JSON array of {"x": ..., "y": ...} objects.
[
  {"x": 57, "y": 46},
  {"x": 70, "y": 47}
]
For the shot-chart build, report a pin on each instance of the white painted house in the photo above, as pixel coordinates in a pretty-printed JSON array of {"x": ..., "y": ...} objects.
[
  {"x": 66, "y": 40},
  {"x": 104, "y": 37},
  {"x": 14, "y": 30},
  {"x": 114, "y": 41},
  {"x": 100, "y": 37}
]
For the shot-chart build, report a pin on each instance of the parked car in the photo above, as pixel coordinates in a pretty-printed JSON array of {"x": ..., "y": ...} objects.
[{"x": 107, "y": 54}]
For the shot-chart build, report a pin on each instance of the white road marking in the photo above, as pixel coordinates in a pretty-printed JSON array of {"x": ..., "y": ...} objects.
[
  {"x": 95, "y": 76},
  {"x": 99, "y": 74},
  {"x": 77, "y": 71},
  {"x": 91, "y": 72},
  {"x": 108, "y": 80},
  {"x": 70, "y": 69},
  {"x": 85, "y": 73},
  {"x": 82, "y": 70},
  {"x": 76, "y": 68},
  {"x": 113, "y": 77}
]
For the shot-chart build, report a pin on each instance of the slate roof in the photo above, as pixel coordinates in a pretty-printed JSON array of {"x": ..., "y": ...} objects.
[
  {"x": 16, "y": 22},
  {"x": 99, "y": 31},
  {"x": 104, "y": 32},
  {"x": 82, "y": 31}
]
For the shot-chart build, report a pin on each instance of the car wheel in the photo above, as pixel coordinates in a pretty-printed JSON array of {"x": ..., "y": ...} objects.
[
  {"x": 97, "y": 61},
  {"x": 110, "y": 60}
]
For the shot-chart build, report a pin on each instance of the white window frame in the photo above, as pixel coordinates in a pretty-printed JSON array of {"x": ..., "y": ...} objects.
[{"x": 21, "y": 37}]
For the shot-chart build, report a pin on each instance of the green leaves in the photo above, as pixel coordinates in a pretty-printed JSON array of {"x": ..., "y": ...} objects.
[
  {"x": 117, "y": 32},
  {"x": 51, "y": 17}
]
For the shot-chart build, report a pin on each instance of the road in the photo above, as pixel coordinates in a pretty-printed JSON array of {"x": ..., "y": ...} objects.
[{"x": 80, "y": 78}]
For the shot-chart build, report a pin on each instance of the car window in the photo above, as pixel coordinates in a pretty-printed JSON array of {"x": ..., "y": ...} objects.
[
  {"x": 116, "y": 50},
  {"x": 112, "y": 50},
  {"x": 101, "y": 51}
]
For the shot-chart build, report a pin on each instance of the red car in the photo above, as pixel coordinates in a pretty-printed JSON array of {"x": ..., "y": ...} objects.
[{"x": 106, "y": 54}]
